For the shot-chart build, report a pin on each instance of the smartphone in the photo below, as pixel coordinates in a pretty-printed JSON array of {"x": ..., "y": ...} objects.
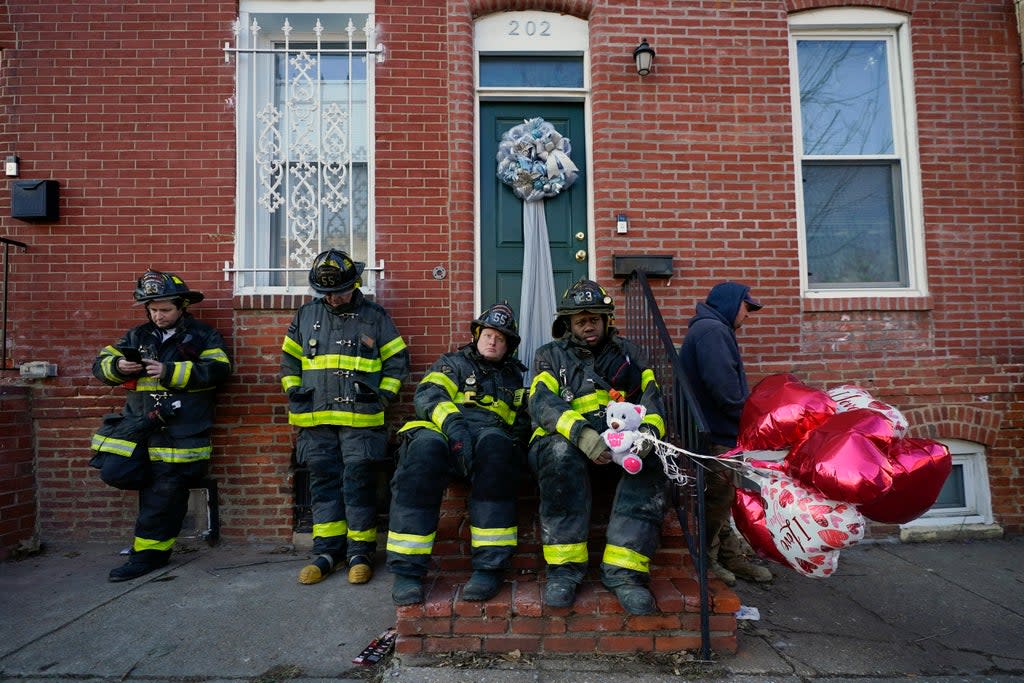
[{"x": 130, "y": 353}]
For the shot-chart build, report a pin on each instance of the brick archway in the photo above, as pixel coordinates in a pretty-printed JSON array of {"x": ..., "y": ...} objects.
[
  {"x": 895, "y": 5},
  {"x": 955, "y": 422},
  {"x": 576, "y": 8}
]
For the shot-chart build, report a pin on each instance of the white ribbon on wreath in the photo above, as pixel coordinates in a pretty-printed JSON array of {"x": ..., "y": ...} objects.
[{"x": 533, "y": 159}]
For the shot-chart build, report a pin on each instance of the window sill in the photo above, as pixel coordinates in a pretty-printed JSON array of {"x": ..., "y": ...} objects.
[{"x": 866, "y": 303}]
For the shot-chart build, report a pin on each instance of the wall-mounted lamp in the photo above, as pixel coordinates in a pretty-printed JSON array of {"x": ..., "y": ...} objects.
[
  {"x": 644, "y": 56},
  {"x": 11, "y": 166}
]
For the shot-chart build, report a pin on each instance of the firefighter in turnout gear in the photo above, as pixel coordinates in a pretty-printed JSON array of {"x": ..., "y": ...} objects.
[
  {"x": 471, "y": 423},
  {"x": 343, "y": 363},
  {"x": 168, "y": 415},
  {"x": 585, "y": 368}
]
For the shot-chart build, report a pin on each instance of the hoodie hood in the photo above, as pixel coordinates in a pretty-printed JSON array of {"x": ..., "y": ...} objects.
[{"x": 724, "y": 301}]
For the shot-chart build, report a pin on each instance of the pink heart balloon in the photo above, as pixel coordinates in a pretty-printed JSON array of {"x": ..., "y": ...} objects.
[{"x": 779, "y": 411}]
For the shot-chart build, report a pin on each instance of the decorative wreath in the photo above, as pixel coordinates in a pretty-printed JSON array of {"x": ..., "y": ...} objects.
[{"x": 533, "y": 159}]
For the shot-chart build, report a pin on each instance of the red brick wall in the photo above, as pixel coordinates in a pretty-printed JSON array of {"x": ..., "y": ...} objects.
[
  {"x": 132, "y": 112},
  {"x": 18, "y": 493}
]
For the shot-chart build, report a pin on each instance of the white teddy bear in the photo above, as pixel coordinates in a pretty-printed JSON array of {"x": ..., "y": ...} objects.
[{"x": 623, "y": 419}]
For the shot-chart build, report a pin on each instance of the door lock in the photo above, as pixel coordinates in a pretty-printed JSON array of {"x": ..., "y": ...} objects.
[
  {"x": 581, "y": 255},
  {"x": 580, "y": 236}
]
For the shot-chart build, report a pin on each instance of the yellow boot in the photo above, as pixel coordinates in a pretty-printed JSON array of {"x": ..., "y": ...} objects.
[
  {"x": 359, "y": 570},
  {"x": 316, "y": 571}
]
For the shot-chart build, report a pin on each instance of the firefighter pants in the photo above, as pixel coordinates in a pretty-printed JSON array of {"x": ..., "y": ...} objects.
[
  {"x": 343, "y": 487},
  {"x": 563, "y": 475},
  {"x": 425, "y": 468},
  {"x": 163, "y": 504}
]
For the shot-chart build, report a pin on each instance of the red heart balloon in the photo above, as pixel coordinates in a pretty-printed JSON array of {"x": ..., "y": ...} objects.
[
  {"x": 845, "y": 458},
  {"x": 919, "y": 469},
  {"x": 748, "y": 513},
  {"x": 779, "y": 411}
]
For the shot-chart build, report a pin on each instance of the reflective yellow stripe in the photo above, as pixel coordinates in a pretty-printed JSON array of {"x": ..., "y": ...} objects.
[
  {"x": 363, "y": 535},
  {"x": 498, "y": 407},
  {"x": 289, "y": 381},
  {"x": 547, "y": 380},
  {"x": 416, "y": 424},
  {"x": 215, "y": 355},
  {"x": 336, "y": 417},
  {"x": 537, "y": 433},
  {"x": 108, "y": 444},
  {"x": 646, "y": 377},
  {"x": 390, "y": 384},
  {"x": 410, "y": 544},
  {"x": 336, "y": 361},
  {"x": 141, "y": 544},
  {"x": 480, "y": 538},
  {"x": 330, "y": 529},
  {"x": 656, "y": 422},
  {"x": 565, "y": 553},
  {"x": 180, "y": 372},
  {"x": 180, "y": 454},
  {"x": 617, "y": 556},
  {"x": 442, "y": 411},
  {"x": 109, "y": 363},
  {"x": 591, "y": 402},
  {"x": 391, "y": 348},
  {"x": 442, "y": 380},
  {"x": 565, "y": 422},
  {"x": 292, "y": 348}
]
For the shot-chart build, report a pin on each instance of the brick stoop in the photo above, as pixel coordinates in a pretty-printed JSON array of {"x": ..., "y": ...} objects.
[{"x": 517, "y": 619}]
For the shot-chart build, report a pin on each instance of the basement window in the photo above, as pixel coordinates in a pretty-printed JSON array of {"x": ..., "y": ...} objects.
[{"x": 965, "y": 498}]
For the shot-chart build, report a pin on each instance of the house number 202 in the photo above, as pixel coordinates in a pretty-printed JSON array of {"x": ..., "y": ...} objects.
[{"x": 529, "y": 28}]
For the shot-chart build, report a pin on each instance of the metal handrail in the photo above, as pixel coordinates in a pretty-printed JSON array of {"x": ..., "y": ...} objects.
[
  {"x": 685, "y": 424},
  {"x": 8, "y": 243}
]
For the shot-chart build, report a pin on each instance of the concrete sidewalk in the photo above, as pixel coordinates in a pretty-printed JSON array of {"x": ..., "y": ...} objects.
[{"x": 932, "y": 612}]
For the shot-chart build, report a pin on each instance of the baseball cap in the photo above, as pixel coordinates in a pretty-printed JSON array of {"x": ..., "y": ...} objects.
[{"x": 752, "y": 303}]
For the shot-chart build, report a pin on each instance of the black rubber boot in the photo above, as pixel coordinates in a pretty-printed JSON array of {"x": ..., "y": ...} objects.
[
  {"x": 635, "y": 599},
  {"x": 407, "y": 590},
  {"x": 484, "y": 584},
  {"x": 134, "y": 568},
  {"x": 560, "y": 591}
]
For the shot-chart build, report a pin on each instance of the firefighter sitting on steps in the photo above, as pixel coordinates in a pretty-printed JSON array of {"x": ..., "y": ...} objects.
[
  {"x": 343, "y": 362},
  {"x": 576, "y": 376},
  {"x": 472, "y": 423}
]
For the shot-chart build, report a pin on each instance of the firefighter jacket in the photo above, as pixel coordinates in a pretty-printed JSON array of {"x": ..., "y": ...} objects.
[
  {"x": 342, "y": 366},
  {"x": 178, "y": 405},
  {"x": 463, "y": 388},
  {"x": 573, "y": 385}
]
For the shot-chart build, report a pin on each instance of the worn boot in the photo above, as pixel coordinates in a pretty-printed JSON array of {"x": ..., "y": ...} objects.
[
  {"x": 318, "y": 570},
  {"x": 635, "y": 599},
  {"x": 134, "y": 568},
  {"x": 732, "y": 558},
  {"x": 560, "y": 591},
  {"x": 359, "y": 569},
  {"x": 727, "y": 577},
  {"x": 484, "y": 584},
  {"x": 407, "y": 590}
]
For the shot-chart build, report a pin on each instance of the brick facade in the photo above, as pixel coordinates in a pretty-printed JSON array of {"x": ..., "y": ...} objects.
[{"x": 132, "y": 112}]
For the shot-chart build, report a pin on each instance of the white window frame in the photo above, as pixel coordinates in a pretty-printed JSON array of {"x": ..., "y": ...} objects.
[
  {"x": 248, "y": 224},
  {"x": 978, "y": 498},
  {"x": 894, "y": 28}
]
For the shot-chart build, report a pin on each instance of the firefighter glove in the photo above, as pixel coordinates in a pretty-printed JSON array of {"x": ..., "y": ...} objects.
[
  {"x": 593, "y": 446},
  {"x": 460, "y": 440}
]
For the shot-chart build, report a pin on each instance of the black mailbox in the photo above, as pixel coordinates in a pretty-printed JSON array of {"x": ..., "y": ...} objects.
[{"x": 35, "y": 200}]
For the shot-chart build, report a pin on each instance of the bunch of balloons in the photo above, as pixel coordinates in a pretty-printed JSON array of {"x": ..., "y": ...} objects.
[{"x": 847, "y": 459}]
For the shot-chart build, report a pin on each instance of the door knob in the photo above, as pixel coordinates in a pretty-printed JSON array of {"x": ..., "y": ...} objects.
[
  {"x": 581, "y": 255},
  {"x": 580, "y": 236}
]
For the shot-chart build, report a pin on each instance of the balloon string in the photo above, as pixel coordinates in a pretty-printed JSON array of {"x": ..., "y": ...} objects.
[{"x": 666, "y": 451}]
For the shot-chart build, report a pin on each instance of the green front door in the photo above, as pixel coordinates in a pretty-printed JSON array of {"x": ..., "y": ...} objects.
[{"x": 501, "y": 212}]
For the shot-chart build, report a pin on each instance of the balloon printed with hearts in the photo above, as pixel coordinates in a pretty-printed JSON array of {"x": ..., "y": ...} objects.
[{"x": 847, "y": 460}]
